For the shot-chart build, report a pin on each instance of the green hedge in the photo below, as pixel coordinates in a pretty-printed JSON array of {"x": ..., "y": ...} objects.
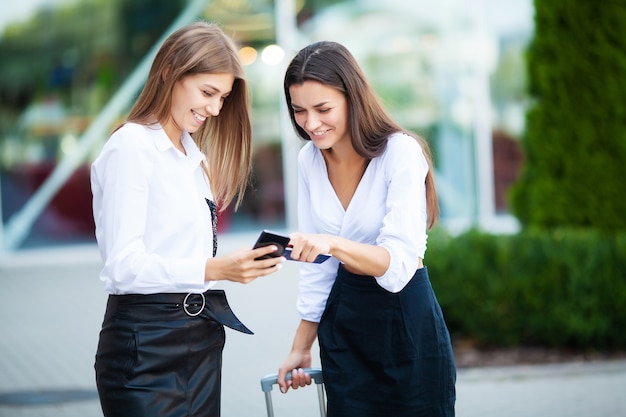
[
  {"x": 561, "y": 288},
  {"x": 575, "y": 138}
]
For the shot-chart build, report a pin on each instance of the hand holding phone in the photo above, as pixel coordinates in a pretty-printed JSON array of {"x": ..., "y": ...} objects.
[{"x": 267, "y": 238}]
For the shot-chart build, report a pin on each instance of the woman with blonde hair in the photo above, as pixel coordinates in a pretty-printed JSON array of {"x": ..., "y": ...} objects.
[{"x": 158, "y": 184}]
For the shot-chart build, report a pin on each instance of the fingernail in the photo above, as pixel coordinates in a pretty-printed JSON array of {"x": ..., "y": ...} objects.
[
  {"x": 278, "y": 266},
  {"x": 282, "y": 390}
]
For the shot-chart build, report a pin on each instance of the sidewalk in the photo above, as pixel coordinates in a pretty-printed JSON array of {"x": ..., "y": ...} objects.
[{"x": 51, "y": 304}]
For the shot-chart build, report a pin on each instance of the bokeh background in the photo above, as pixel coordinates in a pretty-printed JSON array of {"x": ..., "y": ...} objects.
[{"x": 452, "y": 72}]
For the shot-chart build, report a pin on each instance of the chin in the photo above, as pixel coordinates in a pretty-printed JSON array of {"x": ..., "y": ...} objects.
[{"x": 321, "y": 143}]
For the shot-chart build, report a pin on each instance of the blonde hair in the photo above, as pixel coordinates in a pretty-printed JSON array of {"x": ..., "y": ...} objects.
[{"x": 226, "y": 140}]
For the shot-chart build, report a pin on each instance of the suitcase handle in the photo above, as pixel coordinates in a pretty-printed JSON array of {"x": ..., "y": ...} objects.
[
  {"x": 268, "y": 381},
  {"x": 316, "y": 375}
]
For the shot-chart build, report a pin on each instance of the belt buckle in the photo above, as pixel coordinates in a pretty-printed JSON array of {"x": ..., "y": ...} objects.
[{"x": 186, "y": 304}]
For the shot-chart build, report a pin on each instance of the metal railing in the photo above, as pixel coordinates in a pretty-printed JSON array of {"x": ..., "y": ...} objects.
[{"x": 19, "y": 225}]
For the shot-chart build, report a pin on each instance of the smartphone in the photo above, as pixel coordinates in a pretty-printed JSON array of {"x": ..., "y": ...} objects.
[
  {"x": 267, "y": 238},
  {"x": 318, "y": 260}
]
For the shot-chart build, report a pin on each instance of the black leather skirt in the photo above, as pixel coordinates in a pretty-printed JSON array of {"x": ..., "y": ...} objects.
[
  {"x": 383, "y": 353},
  {"x": 160, "y": 355}
]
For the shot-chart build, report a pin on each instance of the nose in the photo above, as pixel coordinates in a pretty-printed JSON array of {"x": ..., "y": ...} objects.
[
  {"x": 214, "y": 106},
  {"x": 311, "y": 122}
]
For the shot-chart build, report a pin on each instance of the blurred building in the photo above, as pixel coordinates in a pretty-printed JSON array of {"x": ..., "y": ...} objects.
[{"x": 451, "y": 71}]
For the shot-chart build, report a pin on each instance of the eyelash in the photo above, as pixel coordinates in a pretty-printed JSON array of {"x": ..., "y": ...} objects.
[
  {"x": 209, "y": 94},
  {"x": 320, "y": 111}
]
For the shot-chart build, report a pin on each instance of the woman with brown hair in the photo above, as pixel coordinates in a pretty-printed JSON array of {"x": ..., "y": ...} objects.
[
  {"x": 157, "y": 184},
  {"x": 366, "y": 196}
]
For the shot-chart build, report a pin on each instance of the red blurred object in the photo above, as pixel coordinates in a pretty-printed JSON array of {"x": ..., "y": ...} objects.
[{"x": 69, "y": 212}]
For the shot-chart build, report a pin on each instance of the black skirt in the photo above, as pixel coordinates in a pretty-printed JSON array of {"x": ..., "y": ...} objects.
[
  {"x": 383, "y": 353},
  {"x": 160, "y": 355}
]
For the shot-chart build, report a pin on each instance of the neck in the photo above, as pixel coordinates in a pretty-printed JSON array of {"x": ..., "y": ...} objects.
[
  {"x": 176, "y": 136},
  {"x": 338, "y": 155}
]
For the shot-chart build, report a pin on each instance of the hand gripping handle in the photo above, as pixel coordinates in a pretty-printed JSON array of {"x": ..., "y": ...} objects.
[{"x": 268, "y": 381}]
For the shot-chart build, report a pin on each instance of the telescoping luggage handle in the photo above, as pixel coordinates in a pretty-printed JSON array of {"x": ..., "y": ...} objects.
[{"x": 267, "y": 382}]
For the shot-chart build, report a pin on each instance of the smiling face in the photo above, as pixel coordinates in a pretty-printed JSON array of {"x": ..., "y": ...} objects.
[
  {"x": 322, "y": 112},
  {"x": 195, "y": 98}
]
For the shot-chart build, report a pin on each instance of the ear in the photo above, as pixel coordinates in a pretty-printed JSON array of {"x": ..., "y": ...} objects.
[{"x": 165, "y": 73}]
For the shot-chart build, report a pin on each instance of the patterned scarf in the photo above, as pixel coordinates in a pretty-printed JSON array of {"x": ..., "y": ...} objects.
[{"x": 213, "y": 209}]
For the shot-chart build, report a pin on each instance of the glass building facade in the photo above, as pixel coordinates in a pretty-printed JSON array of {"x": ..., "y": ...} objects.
[{"x": 451, "y": 71}]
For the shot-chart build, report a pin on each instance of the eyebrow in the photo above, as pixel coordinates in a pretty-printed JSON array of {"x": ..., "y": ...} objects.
[
  {"x": 215, "y": 89},
  {"x": 322, "y": 104}
]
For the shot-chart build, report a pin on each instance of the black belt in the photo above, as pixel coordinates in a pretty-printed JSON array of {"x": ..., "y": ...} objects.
[{"x": 211, "y": 304}]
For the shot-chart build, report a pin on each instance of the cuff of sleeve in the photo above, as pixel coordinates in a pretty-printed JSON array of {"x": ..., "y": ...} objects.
[
  {"x": 398, "y": 274},
  {"x": 189, "y": 272},
  {"x": 309, "y": 312}
]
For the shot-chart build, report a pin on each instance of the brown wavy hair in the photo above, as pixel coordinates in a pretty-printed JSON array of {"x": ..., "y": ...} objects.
[
  {"x": 226, "y": 140},
  {"x": 331, "y": 64}
]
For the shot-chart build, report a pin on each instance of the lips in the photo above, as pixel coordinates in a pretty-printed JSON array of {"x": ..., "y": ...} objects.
[
  {"x": 319, "y": 133},
  {"x": 198, "y": 117}
]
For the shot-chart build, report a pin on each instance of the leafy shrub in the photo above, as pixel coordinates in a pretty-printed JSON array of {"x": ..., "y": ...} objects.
[
  {"x": 575, "y": 139},
  {"x": 560, "y": 288}
]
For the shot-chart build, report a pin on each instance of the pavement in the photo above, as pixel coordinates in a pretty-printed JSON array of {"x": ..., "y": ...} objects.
[{"x": 52, "y": 304}]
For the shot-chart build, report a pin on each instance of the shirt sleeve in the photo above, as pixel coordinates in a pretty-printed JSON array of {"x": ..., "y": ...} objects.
[
  {"x": 403, "y": 232},
  {"x": 121, "y": 186}
]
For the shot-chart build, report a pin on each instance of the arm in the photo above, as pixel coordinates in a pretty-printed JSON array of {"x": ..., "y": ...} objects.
[
  {"x": 120, "y": 182},
  {"x": 404, "y": 231},
  {"x": 299, "y": 357},
  {"x": 240, "y": 266},
  {"x": 308, "y": 243},
  {"x": 358, "y": 258}
]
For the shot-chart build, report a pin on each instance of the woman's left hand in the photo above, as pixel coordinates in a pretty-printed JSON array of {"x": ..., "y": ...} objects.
[{"x": 242, "y": 265}]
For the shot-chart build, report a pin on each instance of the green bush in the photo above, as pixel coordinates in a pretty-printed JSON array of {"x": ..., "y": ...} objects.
[
  {"x": 575, "y": 139},
  {"x": 560, "y": 288}
]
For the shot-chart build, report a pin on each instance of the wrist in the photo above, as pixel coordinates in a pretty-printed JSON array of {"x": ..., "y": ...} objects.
[
  {"x": 333, "y": 245},
  {"x": 211, "y": 269}
]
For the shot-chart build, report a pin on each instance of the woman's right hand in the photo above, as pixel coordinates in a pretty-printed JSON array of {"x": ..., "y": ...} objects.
[
  {"x": 241, "y": 266},
  {"x": 294, "y": 364}
]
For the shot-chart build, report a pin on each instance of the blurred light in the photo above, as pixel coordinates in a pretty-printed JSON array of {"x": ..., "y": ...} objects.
[
  {"x": 430, "y": 41},
  {"x": 248, "y": 55},
  {"x": 272, "y": 55},
  {"x": 68, "y": 143},
  {"x": 402, "y": 44}
]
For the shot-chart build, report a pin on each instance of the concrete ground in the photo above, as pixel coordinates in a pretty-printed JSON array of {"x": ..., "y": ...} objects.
[{"x": 51, "y": 308}]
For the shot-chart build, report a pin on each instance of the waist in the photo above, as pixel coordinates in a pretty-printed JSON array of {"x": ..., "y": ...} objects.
[
  {"x": 191, "y": 303},
  {"x": 211, "y": 304},
  {"x": 365, "y": 281},
  {"x": 114, "y": 288}
]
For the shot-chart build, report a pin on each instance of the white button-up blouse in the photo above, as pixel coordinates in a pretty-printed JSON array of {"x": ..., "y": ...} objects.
[
  {"x": 153, "y": 224},
  {"x": 388, "y": 209}
]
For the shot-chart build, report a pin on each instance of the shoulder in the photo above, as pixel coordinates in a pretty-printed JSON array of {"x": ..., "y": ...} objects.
[
  {"x": 132, "y": 136},
  {"x": 308, "y": 154},
  {"x": 131, "y": 145},
  {"x": 402, "y": 148},
  {"x": 307, "y": 151},
  {"x": 401, "y": 143}
]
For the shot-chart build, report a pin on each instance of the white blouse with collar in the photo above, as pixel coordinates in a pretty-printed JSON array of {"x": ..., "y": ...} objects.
[
  {"x": 153, "y": 225},
  {"x": 388, "y": 209}
]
